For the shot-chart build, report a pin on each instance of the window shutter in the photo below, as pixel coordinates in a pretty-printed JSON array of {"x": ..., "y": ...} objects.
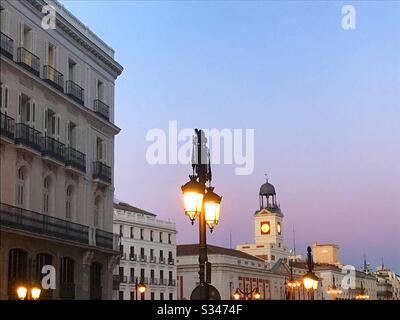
[
  {"x": 34, "y": 41},
  {"x": 28, "y": 112},
  {"x": 58, "y": 127},
  {"x": 19, "y": 109},
  {"x": 21, "y": 34},
  {"x": 104, "y": 154},
  {"x": 45, "y": 124},
  {"x": 67, "y": 134},
  {"x": 33, "y": 114}
]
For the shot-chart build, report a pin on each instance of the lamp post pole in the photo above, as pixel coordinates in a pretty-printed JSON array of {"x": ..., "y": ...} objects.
[
  {"x": 310, "y": 270},
  {"x": 201, "y": 169}
]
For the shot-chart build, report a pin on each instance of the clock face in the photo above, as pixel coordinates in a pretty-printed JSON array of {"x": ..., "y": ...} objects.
[
  {"x": 279, "y": 228},
  {"x": 265, "y": 228}
]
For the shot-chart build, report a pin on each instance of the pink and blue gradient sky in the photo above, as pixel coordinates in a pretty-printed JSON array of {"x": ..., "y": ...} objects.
[{"x": 324, "y": 103}]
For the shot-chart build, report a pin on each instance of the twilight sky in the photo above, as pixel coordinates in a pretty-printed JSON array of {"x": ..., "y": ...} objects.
[{"x": 324, "y": 104}]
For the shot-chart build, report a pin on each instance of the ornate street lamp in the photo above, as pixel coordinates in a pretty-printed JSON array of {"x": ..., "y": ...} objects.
[
  {"x": 28, "y": 293},
  {"x": 201, "y": 201},
  {"x": 139, "y": 286},
  {"x": 247, "y": 294},
  {"x": 334, "y": 291},
  {"x": 310, "y": 280},
  {"x": 292, "y": 285}
]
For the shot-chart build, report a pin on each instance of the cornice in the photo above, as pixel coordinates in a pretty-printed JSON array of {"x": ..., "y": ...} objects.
[{"x": 79, "y": 38}]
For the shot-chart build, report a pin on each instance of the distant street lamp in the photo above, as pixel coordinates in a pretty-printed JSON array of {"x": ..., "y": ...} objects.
[
  {"x": 334, "y": 291},
  {"x": 310, "y": 280},
  {"x": 28, "y": 293},
  {"x": 362, "y": 295},
  {"x": 141, "y": 287},
  {"x": 247, "y": 294},
  {"x": 292, "y": 285},
  {"x": 201, "y": 201}
]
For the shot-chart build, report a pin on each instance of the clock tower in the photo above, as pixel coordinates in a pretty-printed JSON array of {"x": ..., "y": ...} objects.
[{"x": 268, "y": 229}]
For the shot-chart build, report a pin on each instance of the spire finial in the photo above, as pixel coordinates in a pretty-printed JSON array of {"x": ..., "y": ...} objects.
[{"x": 266, "y": 176}]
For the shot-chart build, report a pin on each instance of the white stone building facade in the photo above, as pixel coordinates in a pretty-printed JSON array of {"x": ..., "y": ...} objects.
[
  {"x": 56, "y": 153},
  {"x": 148, "y": 255}
]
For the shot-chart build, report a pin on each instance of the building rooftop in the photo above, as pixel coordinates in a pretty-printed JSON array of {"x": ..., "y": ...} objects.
[
  {"x": 193, "y": 249},
  {"x": 127, "y": 207}
]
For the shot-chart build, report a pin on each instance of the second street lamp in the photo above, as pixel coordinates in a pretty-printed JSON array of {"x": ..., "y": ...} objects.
[
  {"x": 199, "y": 203},
  {"x": 310, "y": 280}
]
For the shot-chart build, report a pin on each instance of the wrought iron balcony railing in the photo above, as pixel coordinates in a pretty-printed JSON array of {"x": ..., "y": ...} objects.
[
  {"x": 153, "y": 281},
  {"x": 28, "y": 60},
  {"x": 104, "y": 239},
  {"x": 7, "y": 125},
  {"x": 101, "y": 109},
  {"x": 162, "y": 260},
  {"x": 53, "y": 148},
  {"x": 101, "y": 172},
  {"x": 74, "y": 91},
  {"x": 53, "y": 77},
  {"x": 75, "y": 159},
  {"x": 28, "y": 136},
  {"x": 143, "y": 258},
  {"x": 163, "y": 282},
  {"x": 171, "y": 261},
  {"x": 6, "y": 46},
  {"x": 153, "y": 259},
  {"x": 141, "y": 279},
  {"x": 26, "y": 220},
  {"x": 133, "y": 257},
  {"x": 171, "y": 282}
]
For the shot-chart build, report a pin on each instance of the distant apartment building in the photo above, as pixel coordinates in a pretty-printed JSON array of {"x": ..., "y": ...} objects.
[
  {"x": 56, "y": 153},
  {"x": 148, "y": 255}
]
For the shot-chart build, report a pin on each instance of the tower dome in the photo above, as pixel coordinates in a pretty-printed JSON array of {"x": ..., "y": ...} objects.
[
  {"x": 267, "y": 189},
  {"x": 268, "y": 196}
]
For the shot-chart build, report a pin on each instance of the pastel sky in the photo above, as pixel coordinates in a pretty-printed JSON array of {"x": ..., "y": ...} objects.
[{"x": 324, "y": 104}]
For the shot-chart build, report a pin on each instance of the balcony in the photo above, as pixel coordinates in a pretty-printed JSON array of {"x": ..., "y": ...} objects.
[
  {"x": 116, "y": 281},
  {"x": 171, "y": 261},
  {"x": 6, "y": 46},
  {"x": 153, "y": 281},
  {"x": 101, "y": 172},
  {"x": 101, "y": 109},
  {"x": 132, "y": 279},
  {"x": 53, "y": 149},
  {"x": 122, "y": 278},
  {"x": 6, "y": 126},
  {"x": 153, "y": 259},
  {"x": 133, "y": 257},
  {"x": 29, "y": 61},
  {"x": 53, "y": 78},
  {"x": 75, "y": 159},
  {"x": 141, "y": 279},
  {"x": 143, "y": 258},
  {"x": 28, "y": 136},
  {"x": 123, "y": 256},
  {"x": 75, "y": 92},
  {"x": 161, "y": 260},
  {"x": 26, "y": 220},
  {"x": 163, "y": 282},
  {"x": 105, "y": 239},
  {"x": 171, "y": 282},
  {"x": 67, "y": 291}
]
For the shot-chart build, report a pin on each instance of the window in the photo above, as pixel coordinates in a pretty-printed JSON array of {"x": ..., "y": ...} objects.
[
  {"x": 171, "y": 296},
  {"x": 21, "y": 178},
  {"x": 71, "y": 135},
  {"x": 152, "y": 274},
  {"x": 68, "y": 203},
  {"x": 121, "y": 230},
  {"x": 121, "y": 248},
  {"x": 132, "y": 295},
  {"x": 97, "y": 211},
  {"x": 95, "y": 281},
  {"x": 46, "y": 194},
  {"x": 17, "y": 267},
  {"x": 161, "y": 295},
  {"x": 141, "y": 234},
  {"x": 121, "y": 271},
  {"x": 132, "y": 251},
  {"x": 121, "y": 295},
  {"x": 142, "y": 275},
  {"x": 100, "y": 90},
  {"x": 151, "y": 235},
  {"x": 67, "y": 281},
  {"x": 169, "y": 238},
  {"x": 161, "y": 254},
  {"x": 132, "y": 234},
  {"x": 4, "y": 21},
  {"x": 151, "y": 253},
  {"x": 3, "y": 98},
  {"x": 151, "y": 295},
  {"x": 100, "y": 150},
  {"x": 161, "y": 274},
  {"x": 51, "y": 59},
  {"x": 170, "y": 276},
  {"x": 26, "y": 110},
  {"x": 161, "y": 236},
  {"x": 71, "y": 70}
]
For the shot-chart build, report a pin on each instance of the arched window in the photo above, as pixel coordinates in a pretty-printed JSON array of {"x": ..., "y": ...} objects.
[
  {"x": 95, "y": 281},
  {"x": 46, "y": 195},
  {"x": 17, "y": 270},
  {"x": 67, "y": 278},
  {"x": 21, "y": 180},
  {"x": 43, "y": 259},
  {"x": 69, "y": 207}
]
